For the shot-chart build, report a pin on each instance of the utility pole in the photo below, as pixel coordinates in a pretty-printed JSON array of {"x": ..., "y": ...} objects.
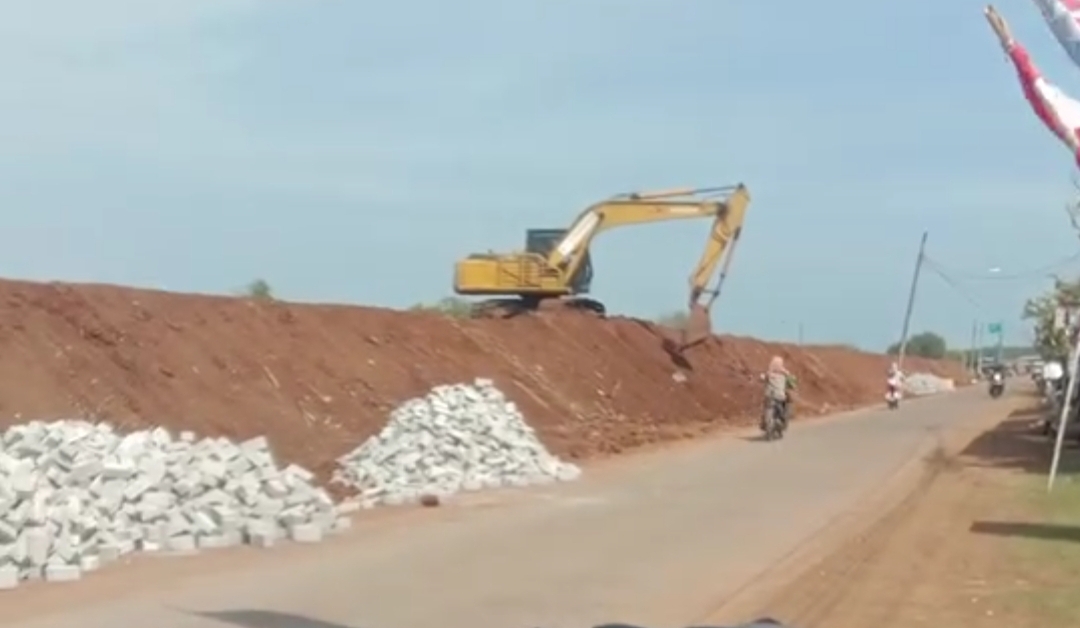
[
  {"x": 911, "y": 301},
  {"x": 972, "y": 364},
  {"x": 1066, "y": 409},
  {"x": 800, "y": 334},
  {"x": 979, "y": 351}
]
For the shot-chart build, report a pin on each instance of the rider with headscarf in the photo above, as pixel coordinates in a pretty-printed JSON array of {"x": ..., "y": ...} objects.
[
  {"x": 895, "y": 377},
  {"x": 777, "y": 380}
]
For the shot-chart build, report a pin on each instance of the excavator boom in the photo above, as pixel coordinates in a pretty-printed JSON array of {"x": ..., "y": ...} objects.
[
  {"x": 556, "y": 263},
  {"x": 723, "y": 237}
]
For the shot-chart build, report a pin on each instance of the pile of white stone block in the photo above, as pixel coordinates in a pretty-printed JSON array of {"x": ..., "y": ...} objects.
[
  {"x": 76, "y": 495},
  {"x": 461, "y": 437},
  {"x": 923, "y": 384}
]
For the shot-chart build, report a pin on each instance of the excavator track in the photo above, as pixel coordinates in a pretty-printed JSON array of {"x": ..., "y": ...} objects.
[
  {"x": 583, "y": 305},
  {"x": 499, "y": 308},
  {"x": 509, "y": 308}
]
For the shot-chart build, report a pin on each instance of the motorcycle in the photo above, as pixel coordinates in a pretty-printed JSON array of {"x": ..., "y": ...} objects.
[
  {"x": 774, "y": 423},
  {"x": 892, "y": 398},
  {"x": 774, "y": 420},
  {"x": 893, "y": 390},
  {"x": 997, "y": 385}
]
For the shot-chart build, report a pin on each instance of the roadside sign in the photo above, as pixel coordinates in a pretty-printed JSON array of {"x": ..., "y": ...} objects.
[{"x": 994, "y": 328}]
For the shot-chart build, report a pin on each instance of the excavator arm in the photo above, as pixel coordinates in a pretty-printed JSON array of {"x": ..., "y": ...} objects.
[
  {"x": 723, "y": 237},
  {"x": 634, "y": 209},
  {"x": 727, "y": 204},
  {"x": 550, "y": 271}
]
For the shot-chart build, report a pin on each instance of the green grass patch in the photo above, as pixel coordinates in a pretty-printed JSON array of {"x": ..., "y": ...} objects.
[{"x": 1045, "y": 548}]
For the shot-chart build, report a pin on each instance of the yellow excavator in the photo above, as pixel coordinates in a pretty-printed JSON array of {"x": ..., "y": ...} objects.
[{"x": 556, "y": 263}]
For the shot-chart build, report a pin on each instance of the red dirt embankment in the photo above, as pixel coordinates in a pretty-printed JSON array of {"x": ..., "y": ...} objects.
[{"x": 317, "y": 380}]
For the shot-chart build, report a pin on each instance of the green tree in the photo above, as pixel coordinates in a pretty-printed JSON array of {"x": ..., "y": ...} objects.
[
  {"x": 674, "y": 320},
  {"x": 454, "y": 307},
  {"x": 259, "y": 289},
  {"x": 925, "y": 345},
  {"x": 1051, "y": 342}
]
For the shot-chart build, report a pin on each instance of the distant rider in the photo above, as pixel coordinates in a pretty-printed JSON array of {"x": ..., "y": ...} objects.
[
  {"x": 997, "y": 376},
  {"x": 778, "y": 384},
  {"x": 895, "y": 378},
  {"x": 1053, "y": 373}
]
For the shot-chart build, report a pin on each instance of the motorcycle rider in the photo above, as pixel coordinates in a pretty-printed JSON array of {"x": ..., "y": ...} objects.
[
  {"x": 894, "y": 380},
  {"x": 1053, "y": 373},
  {"x": 778, "y": 384},
  {"x": 1052, "y": 383},
  {"x": 997, "y": 377}
]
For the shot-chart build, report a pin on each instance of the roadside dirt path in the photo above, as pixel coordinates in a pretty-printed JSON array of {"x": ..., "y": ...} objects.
[
  {"x": 947, "y": 554},
  {"x": 661, "y": 540}
]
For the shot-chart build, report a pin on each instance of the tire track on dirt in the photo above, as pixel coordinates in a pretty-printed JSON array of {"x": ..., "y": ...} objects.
[
  {"x": 876, "y": 578},
  {"x": 833, "y": 598},
  {"x": 811, "y": 599}
]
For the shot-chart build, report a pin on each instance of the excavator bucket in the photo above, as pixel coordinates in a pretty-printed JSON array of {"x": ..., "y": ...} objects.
[{"x": 698, "y": 326}]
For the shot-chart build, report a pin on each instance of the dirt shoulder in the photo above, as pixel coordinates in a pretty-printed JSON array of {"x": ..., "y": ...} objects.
[
  {"x": 978, "y": 543},
  {"x": 654, "y": 539}
]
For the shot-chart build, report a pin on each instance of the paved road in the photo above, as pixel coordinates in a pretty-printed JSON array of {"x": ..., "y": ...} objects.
[{"x": 655, "y": 541}]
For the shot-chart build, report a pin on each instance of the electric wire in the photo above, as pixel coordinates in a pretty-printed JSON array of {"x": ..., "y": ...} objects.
[
  {"x": 951, "y": 279},
  {"x": 951, "y": 282},
  {"x": 1037, "y": 272}
]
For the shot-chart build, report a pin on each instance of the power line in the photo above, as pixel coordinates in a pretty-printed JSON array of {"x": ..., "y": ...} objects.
[
  {"x": 952, "y": 283},
  {"x": 1024, "y": 274}
]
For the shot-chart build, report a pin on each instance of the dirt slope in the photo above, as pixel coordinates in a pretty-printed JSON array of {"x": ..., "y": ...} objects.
[{"x": 319, "y": 379}]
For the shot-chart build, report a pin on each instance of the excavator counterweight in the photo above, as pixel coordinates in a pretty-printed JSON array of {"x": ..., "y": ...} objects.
[{"x": 556, "y": 264}]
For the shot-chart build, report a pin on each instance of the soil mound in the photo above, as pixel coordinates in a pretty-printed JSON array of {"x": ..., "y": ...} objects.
[{"x": 318, "y": 379}]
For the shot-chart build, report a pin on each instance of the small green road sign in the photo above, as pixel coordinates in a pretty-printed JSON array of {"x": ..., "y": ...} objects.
[{"x": 994, "y": 328}]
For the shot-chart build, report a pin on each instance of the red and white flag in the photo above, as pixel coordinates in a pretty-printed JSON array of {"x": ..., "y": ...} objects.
[
  {"x": 1059, "y": 112},
  {"x": 1063, "y": 18}
]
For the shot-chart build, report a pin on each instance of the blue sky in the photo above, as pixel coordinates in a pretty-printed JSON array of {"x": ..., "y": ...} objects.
[{"x": 350, "y": 151}]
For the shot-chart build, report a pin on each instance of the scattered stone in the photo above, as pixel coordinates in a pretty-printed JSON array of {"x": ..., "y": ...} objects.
[
  {"x": 306, "y": 533},
  {"x": 923, "y": 384},
  {"x": 461, "y": 437},
  {"x": 76, "y": 495},
  {"x": 60, "y": 572},
  {"x": 9, "y": 577}
]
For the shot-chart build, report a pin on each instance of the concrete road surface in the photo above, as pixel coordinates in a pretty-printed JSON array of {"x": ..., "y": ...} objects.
[{"x": 657, "y": 539}]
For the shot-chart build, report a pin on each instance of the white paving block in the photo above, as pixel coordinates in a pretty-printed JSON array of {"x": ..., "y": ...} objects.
[
  {"x": 60, "y": 572},
  {"x": 923, "y": 384},
  {"x": 9, "y": 576},
  {"x": 306, "y": 533},
  {"x": 460, "y": 437},
  {"x": 89, "y": 562},
  {"x": 181, "y": 543},
  {"x": 76, "y": 495}
]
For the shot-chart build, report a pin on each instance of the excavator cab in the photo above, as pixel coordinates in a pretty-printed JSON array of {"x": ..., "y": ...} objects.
[{"x": 543, "y": 241}]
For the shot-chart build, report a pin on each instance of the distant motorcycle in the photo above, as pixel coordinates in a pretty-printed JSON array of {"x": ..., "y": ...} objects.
[
  {"x": 892, "y": 398},
  {"x": 894, "y": 389},
  {"x": 997, "y": 384},
  {"x": 774, "y": 420}
]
